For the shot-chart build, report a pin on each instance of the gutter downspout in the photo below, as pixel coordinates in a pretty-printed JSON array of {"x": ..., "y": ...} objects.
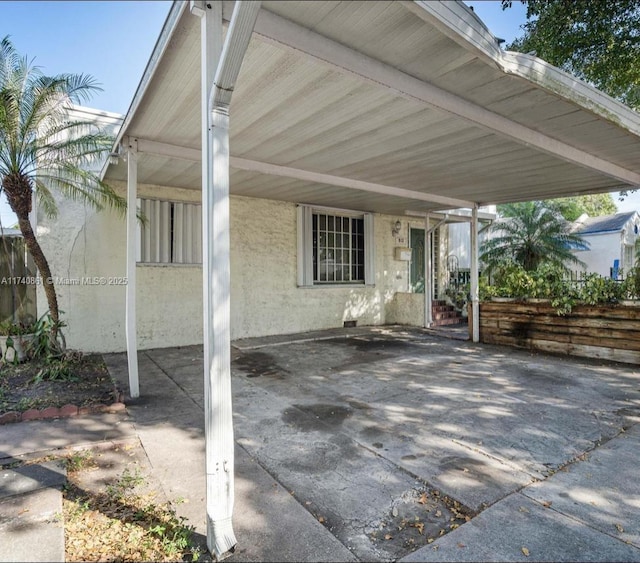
[{"x": 216, "y": 94}]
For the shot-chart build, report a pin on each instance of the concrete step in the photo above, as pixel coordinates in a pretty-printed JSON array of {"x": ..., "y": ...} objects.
[
  {"x": 445, "y": 314},
  {"x": 442, "y": 308},
  {"x": 29, "y": 478},
  {"x": 31, "y": 528}
]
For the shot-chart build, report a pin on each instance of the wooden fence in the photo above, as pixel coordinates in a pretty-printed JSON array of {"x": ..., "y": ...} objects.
[
  {"x": 611, "y": 332},
  {"x": 17, "y": 287}
]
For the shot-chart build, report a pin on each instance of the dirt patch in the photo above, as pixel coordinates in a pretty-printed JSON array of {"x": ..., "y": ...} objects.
[
  {"x": 89, "y": 384},
  {"x": 416, "y": 520}
]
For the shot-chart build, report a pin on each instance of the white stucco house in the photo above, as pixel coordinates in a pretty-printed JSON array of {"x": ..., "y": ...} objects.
[
  {"x": 611, "y": 240},
  {"x": 283, "y": 151}
]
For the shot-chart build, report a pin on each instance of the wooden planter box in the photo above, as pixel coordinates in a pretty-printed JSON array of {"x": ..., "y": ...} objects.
[{"x": 607, "y": 332}]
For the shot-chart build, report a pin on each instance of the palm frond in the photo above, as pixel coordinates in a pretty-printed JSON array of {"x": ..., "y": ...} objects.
[
  {"x": 530, "y": 234},
  {"x": 42, "y": 141},
  {"x": 45, "y": 199}
]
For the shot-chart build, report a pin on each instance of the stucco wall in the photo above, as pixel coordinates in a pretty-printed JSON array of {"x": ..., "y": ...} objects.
[
  {"x": 264, "y": 296},
  {"x": 406, "y": 309},
  {"x": 87, "y": 254}
]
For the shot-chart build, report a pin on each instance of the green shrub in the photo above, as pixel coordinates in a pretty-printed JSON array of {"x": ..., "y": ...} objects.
[
  {"x": 10, "y": 328},
  {"x": 550, "y": 282}
]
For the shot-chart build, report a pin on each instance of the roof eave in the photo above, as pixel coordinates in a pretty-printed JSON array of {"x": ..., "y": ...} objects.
[{"x": 452, "y": 19}]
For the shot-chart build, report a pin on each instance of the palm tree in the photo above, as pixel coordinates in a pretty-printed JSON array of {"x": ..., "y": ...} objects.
[
  {"x": 530, "y": 234},
  {"x": 44, "y": 151}
]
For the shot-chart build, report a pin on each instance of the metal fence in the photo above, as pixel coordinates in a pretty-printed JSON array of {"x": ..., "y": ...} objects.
[
  {"x": 17, "y": 276},
  {"x": 578, "y": 276}
]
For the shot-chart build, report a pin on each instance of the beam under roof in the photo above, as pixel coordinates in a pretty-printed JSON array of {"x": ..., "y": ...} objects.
[{"x": 155, "y": 148}]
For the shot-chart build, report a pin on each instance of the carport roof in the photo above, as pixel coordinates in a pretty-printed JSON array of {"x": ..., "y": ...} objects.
[{"x": 382, "y": 106}]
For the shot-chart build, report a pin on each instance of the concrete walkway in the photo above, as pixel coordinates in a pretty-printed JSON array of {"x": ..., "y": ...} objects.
[
  {"x": 30, "y": 495},
  {"x": 345, "y": 441}
]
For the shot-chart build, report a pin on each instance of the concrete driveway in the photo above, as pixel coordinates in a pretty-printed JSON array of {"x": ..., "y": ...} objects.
[{"x": 406, "y": 445}]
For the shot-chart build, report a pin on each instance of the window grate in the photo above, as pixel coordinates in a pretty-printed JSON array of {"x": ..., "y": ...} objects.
[{"x": 338, "y": 249}]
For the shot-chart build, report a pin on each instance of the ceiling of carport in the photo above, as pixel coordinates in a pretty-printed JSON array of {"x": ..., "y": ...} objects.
[{"x": 307, "y": 113}]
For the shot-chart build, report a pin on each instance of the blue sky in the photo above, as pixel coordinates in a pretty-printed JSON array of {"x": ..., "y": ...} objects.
[{"x": 112, "y": 41}]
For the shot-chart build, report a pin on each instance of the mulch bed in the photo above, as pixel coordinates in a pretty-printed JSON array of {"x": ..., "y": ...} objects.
[{"x": 23, "y": 397}]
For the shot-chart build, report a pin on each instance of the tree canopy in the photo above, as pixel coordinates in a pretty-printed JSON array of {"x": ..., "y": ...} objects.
[
  {"x": 530, "y": 234},
  {"x": 571, "y": 208},
  {"x": 596, "y": 40}
]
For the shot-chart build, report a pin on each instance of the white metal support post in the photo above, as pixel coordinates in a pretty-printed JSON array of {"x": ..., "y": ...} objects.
[
  {"x": 220, "y": 68},
  {"x": 428, "y": 298},
  {"x": 132, "y": 240},
  {"x": 475, "y": 308},
  {"x": 428, "y": 267}
]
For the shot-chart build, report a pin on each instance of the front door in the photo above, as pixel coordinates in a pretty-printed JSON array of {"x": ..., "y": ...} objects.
[{"x": 416, "y": 278}]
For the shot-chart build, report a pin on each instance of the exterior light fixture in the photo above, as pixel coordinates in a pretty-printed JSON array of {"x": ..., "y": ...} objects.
[
  {"x": 396, "y": 228},
  {"x": 116, "y": 155}
]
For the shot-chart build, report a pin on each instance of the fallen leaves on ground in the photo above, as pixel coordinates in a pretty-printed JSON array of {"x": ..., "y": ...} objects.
[
  {"x": 119, "y": 524},
  {"x": 414, "y": 522},
  {"x": 525, "y": 551}
]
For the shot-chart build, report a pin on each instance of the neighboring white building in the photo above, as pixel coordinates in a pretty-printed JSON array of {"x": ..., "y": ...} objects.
[
  {"x": 612, "y": 241},
  {"x": 459, "y": 244}
]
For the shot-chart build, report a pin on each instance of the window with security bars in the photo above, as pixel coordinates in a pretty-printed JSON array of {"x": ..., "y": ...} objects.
[
  {"x": 338, "y": 249},
  {"x": 334, "y": 247},
  {"x": 171, "y": 232}
]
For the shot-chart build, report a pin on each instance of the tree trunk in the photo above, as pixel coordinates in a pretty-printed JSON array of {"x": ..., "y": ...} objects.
[
  {"x": 43, "y": 267},
  {"x": 18, "y": 189}
]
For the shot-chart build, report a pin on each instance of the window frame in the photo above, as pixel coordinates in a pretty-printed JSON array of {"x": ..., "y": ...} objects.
[
  {"x": 306, "y": 274},
  {"x": 171, "y": 234}
]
